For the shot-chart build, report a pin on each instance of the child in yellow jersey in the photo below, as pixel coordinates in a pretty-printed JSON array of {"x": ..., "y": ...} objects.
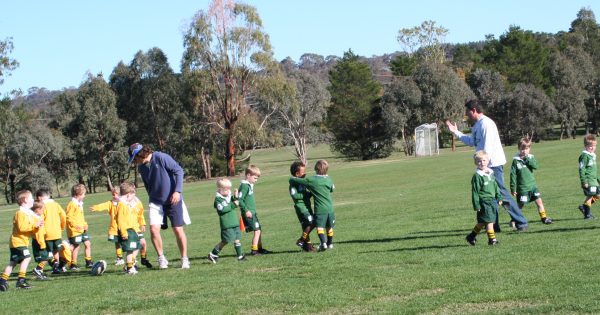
[
  {"x": 138, "y": 209},
  {"x": 38, "y": 243},
  {"x": 111, "y": 207},
  {"x": 126, "y": 223},
  {"x": 55, "y": 221},
  {"x": 24, "y": 225},
  {"x": 77, "y": 227}
]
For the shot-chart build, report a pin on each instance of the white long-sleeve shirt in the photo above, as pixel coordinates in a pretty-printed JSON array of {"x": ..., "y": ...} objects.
[{"x": 485, "y": 137}]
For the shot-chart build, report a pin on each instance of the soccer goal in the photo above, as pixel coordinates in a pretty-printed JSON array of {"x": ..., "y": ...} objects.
[{"x": 426, "y": 140}]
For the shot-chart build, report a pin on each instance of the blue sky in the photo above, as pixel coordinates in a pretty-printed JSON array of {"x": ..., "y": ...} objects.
[{"x": 58, "y": 42}]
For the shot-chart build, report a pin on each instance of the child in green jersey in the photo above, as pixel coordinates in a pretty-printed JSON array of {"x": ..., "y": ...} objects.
[
  {"x": 301, "y": 198},
  {"x": 588, "y": 175},
  {"x": 522, "y": 181},
  {"x": 225, "y": 204},
  {"x": 321, "y": 186},
  {"x": 248, "y": 208},
  {"x": 485, "y": 195}
]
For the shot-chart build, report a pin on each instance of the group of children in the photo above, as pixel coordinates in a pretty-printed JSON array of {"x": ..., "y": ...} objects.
[
  {"x": 43, "y": 221},
  {"x": 486, "y": 196},
  {"x": 318, "y": 187}
]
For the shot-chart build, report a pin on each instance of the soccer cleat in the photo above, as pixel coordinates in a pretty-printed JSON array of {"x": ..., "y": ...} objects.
[
  {"x": 131, "y": 271},
  {"x": 185, "y": 263},
  {"x": 163, "y": 263},
  {"x": 329, "y": 246},
  {"x": 146, "y": 262},
  {"x": 119, "y": 262},
  {"x": 492, "y": 242},
  {"x": 586, "y": 211},
  {"x": 308, "y": 247},
  {"x": 264, "y": 251},
  {"x": 589, "y": 216},
  {"x": 471, "y": 239},
  {"x": 22, "y": 284},
  {"x": 322, "y": 247},
  {"x": 39, "y": 273},
  {"x": 300, "y": 243},
  {"x": 213, "y": 258},
  {"x": 255, "y": 253},
  {"x": 242, "y": 258},
  {"x": 89, "y": 264},
  {"x": 3, "y": 285},
  {"x": 546, "y": 220},
  {"x": 74, "y": 267}
]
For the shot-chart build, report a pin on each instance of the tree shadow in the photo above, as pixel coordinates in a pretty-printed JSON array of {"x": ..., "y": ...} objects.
[{"x": 418, "y": 248}]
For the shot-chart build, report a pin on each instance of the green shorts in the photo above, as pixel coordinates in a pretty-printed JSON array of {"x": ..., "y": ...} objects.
[
  {"x": 306, "y": 219},
  {"x": 54, "y": 246},
  {"x": 231, "y": 235},
  {"x": 113, "y": 238},
  {"x": 39, "y": 254},
  {"x": 78, "y": 239},
  {"x": 525, "y": 197},
  {"x": 488, "y": 211},
  {"x": 140, "y": 236},
  {"x": 325, "y": 220},
  {"x": 591, "y": 191},
  {"x": 131, "y": 243},
  {"x": 251, "y": 224},
  {"x": 18, "y": 254}
]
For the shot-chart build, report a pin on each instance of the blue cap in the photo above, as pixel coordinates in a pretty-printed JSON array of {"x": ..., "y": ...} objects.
[{"x": 134, "y": 149}]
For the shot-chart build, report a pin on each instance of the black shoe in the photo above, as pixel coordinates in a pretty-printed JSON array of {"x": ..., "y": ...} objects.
[
  {"x": 300, "y": 243},
  {"x": 264, "y": 251},
  {"x": 214, "y": 258},
  {"x": 492, "y": 242},
  {"x": 255, "y": 253},
  {"x": 39, "y": 273},
  {"x": 89, "y": 264},
  {"x": 308, "y": 247},
  {"x": 3, "y": 285},
  {"x": 522, "y": 228},
  {"x": 471, "y": 239},
  {"x": 585, "y": 210},
  {"x": 589, "y": 216},
  {"x": 546, "y": 220},
  {"x": 146, "y": 262},
  {"x": 22, "y": 284}
]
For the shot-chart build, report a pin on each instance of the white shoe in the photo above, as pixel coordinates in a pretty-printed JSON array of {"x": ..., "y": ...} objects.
[
  {"x": 163, "y": 263},
  {"x": 132, "y": 271},
  {"x": 185, "y": 263},
  {"x": 119, "y": 262}
]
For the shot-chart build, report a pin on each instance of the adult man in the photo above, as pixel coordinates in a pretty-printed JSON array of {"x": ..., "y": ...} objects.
[
  {"x": 163, "y": 179},
  {"x": 484, "y": 136}
]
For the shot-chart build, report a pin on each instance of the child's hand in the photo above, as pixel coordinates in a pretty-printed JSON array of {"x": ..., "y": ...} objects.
[
  {"x": 514, "y": 193},
  {"x": 143, "y": 228},
  {"x": 585, "y": 186},
  {"x": 40, "y": 223},
  {"x": 235, "y": 202},
  {"x": 500, "y": 202},
  {"x": 235, "y": 193},
  {"x": 92, "y": 209},
  {"x": 248, "y": 214}
]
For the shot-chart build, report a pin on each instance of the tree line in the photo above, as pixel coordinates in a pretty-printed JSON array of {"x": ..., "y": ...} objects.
[{"x": 231, "y": 97}]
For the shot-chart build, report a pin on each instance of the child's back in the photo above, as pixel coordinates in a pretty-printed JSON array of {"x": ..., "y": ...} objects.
[{"x": 321, "y": 187}]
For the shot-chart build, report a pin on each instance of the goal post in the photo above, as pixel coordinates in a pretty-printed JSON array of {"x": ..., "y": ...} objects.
[{"x": 426, "y": 140}]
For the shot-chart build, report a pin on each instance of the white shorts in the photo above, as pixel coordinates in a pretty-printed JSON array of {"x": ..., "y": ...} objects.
[{"x": 157, "y": 215}]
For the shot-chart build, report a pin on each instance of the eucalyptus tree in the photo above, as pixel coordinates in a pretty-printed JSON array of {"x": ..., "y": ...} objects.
[
  {"x": 401, "y": 105},
  {"x": 228, "y": 44},
  {"x": 7, "y": 64}
]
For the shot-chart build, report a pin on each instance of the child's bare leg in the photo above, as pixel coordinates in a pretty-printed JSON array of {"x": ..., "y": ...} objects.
[
  {"x": 88, "y": 251},
  {"x": 255, "y": 240},
  {"x": 8, "y": 270},
  {"x": 491, "y": 234},
  {"x": 74, "y": 253}
]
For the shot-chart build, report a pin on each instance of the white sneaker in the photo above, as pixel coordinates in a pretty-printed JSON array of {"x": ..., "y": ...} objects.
[
  {"x": 119, "y": 262},
  {"x": 185, "y": 263},
  {"x": 163, "y": 263},
  {"x": 132, "y": 271}
]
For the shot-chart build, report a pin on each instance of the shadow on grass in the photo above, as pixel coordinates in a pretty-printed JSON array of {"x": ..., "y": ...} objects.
[
  {"x": 404, "y": 238},
  {"x": 418, "y": 248}
]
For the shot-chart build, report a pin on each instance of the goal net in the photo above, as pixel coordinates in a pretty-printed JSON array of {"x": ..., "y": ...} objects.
[{"x": 426, "y": 140}]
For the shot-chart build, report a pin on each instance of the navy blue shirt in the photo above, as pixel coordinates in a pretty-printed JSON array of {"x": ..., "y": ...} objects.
[{"x": 162, "y": 177}]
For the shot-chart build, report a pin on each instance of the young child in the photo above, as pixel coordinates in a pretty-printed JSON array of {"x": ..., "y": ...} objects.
[
  {"x": 248, "y": 208},
  {"x": 140, "y": 228},
  {"x": 126, "y": 219},
  {"x": 588, "y": 175},
  {"x": 111, "y": 208},
  {"x": 301, "y": 198},
  {"x": 522, "y": 181},
  {"x": 38, "y": 242},
  {"x": 225, "y": 204},
  {"x": 55, "y": 221},
  {"x": 485, "y": 196},
  {"x": 77, "y": 227},
  {"x": 24, "y": 224},
  {"x": 321, "y": 186}
]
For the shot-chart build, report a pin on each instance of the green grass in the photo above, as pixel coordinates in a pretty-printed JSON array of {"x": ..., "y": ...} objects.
[{"x": 400, "y": 248}]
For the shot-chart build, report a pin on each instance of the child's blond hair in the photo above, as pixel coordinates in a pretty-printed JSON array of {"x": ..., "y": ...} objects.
[
  {"x": 126, "y": 188},
  {"x": 78, "y": 190},
  {"x": 223, "y": 183},
  {"x": 480, "y": 155},
  {"x": 589, "y": 139},
  {"x": 22, "y": 196},
  {"x": 321, "y": 167},
  {"x": 252, "y": 170},
  {"x": 524, "y": 143}
]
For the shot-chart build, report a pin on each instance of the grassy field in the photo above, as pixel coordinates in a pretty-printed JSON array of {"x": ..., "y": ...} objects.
[{"x": 400, "y": 248}]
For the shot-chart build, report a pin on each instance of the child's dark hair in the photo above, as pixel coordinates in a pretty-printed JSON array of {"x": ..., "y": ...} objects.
[
  {"x": 589, "y": 139},
  {"x": 295, "y": 167},
  {"x": 42, "y": 192}
]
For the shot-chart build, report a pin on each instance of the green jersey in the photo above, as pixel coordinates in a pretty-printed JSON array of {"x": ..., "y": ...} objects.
[
  {"x": 225, "y": 206},
  {"x": 588, "y": 169},
  {"x": 246, "y": 198},
  {"x": 321, "y": 187},
  {"x": 521, "y": 174},
  {"x": 484, "y": 188},
  {"x": 301, "y": 197}
]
